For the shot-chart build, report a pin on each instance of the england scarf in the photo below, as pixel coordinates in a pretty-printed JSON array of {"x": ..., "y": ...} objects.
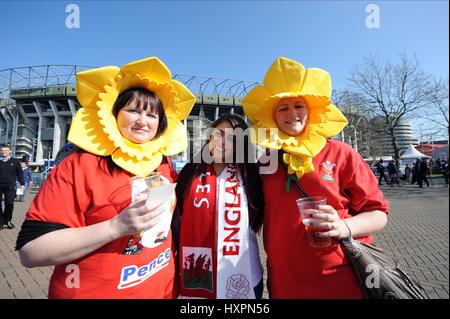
[{"x": 214, "y": 238}]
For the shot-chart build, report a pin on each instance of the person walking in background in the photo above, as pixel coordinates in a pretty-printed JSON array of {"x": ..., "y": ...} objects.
[
  {"x": 444, "y": 170},
  {"x": 10, "y": 170},
  {"x": 393, "y": 173},
  {"x": 380, "y": 169},
  {"x": 422, "y": 171},
  {"x": 415, "y": 172},
  {"x": 408, "y": 173},
  {"x": 27, "y": 179}
]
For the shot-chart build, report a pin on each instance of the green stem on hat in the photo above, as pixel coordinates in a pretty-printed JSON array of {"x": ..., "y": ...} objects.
[{"x": 290, "y": 177}]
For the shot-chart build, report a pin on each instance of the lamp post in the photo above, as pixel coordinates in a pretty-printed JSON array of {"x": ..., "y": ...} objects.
[
  {"x": 432, "y": 144},
  {"x": 420, "y": 132}
]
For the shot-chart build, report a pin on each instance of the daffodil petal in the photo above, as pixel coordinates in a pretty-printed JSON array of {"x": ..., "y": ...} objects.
[
  {"x": 152, "y": 68},
  {"x": 137, "y": 167},
  {"x": 108, "y": 98},
  {"x": 130, "y": 80},
  {"x": 91, "y": 82},
  {"x": 317, "y": 82},
  {"x": 296, "y": 162},
  {"x": 300, "y": 150},
  {"x": 335, "y": 122},
  {"x": 177, "y": 140},
  {"x": 254, "y": 106},
  {"x": 287, "y": 140},
  {"x": 286, "y": 158},
  {"x": 314, "y": 144},
  {"x": 284, "y": 75},
  {"x": 309, "y": 168},
  {"x": 88, "y": 134},
  {"x": 316, "y": 102},
  {"x": 261, "y": 136},
  {"x": 186, "y": 100},
  {"x": 145, "y": 150},
  {"x": 299, "y": 173},
  {"x": 290, "y": 170},
  {"x": 270, "y": 143},
  {"x": 109, "y": 126}
]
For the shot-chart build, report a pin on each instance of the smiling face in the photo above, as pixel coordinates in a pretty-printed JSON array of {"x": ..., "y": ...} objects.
[
  {"x": 140, "y": 115},
  {"x": 5, "y": 152},
  {"x": 137, "y": 124},
  {"x": 221, "y": 142},
  {"x": 291, "y": 115}
]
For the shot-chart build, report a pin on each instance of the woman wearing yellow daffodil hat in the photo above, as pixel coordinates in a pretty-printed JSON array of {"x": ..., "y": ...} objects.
[
  {"x": 292, "y": 112},
  {"x": 81, "y": 220}
]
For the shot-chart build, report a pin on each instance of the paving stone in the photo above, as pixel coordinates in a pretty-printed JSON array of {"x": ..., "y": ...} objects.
[{"x": 417, "y": 234}]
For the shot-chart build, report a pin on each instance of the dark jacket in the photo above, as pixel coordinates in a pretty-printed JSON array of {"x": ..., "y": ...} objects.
[
  {"x": 423, "y": 168},
  {"x": 392, "y": 169},
  {"x": 380, "y": 167},
  {"x": 10, "y": 171}
]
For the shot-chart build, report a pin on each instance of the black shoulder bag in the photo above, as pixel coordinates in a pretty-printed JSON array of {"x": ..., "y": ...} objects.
[{"x": 380, "y": 275}]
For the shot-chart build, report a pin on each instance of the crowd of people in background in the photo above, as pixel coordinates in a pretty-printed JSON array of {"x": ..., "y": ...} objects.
[{"x": 417, "y": 173}]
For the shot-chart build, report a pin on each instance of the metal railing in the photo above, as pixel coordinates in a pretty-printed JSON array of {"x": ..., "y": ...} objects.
[{"x": 45, "y": 76}]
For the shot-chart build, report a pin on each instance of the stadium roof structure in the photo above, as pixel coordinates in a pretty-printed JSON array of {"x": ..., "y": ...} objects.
[{"x": 47, "y": 76}]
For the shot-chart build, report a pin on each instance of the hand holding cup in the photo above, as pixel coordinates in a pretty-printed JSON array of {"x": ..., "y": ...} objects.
[{"x": 324, "y": 220}]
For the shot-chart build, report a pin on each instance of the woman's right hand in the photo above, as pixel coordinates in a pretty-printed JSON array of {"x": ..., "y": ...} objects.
[
  {"x": 65, "y": 245},
  {"x": 137, "y": 217}
]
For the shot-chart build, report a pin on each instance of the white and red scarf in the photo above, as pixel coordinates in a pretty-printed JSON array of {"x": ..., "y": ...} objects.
[{"x": 214, "y": 238}]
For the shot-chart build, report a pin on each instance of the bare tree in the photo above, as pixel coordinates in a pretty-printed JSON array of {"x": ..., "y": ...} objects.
[
  {"x": 438, "y": 112},
  {"x": 357, "y": 132},
  {"x": 393, "y": 91}
]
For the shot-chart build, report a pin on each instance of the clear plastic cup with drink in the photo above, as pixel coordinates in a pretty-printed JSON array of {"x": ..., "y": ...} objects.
[
  {"x": 157, "y": 188},
  {"x": 141, "y": 185},
  {"x": 305, "y": 205}
]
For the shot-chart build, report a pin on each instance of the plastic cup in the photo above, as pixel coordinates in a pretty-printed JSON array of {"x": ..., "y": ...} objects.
[
  {"x": 140, "y": 186},
  {"x": 162, "y": 190},
  {"x": 304, "y": 206}
]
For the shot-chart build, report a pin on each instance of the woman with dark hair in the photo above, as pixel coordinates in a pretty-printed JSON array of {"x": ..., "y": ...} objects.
[
  {"x": 84, "y": 220},
  {"x": 221, "y": 206}
]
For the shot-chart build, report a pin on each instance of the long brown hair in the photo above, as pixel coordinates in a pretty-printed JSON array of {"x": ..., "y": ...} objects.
[{"x": 248, "y": 171}]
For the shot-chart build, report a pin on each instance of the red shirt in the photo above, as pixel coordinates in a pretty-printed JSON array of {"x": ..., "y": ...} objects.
[
  {"x": 80, "y": 192},
  {"x": 296, "y": 270}
]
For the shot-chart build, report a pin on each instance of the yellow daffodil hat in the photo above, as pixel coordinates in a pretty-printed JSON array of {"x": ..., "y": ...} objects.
[
  {"x": 94, "y": 127},
  {"x": 289, "y": 78}
]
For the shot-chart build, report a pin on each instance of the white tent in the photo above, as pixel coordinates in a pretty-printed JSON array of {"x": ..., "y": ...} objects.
[{"x": 411, "y": 153}]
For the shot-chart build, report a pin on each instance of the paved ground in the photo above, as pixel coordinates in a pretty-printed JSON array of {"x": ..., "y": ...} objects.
[{"x": 417, "y": 234}]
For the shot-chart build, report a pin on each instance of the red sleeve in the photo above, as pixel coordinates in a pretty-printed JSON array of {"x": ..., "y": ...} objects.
[
  {"x": 362, "y": 186},
  {"x": 166, "y": 168},
  {"x": 64, "y": 196}
]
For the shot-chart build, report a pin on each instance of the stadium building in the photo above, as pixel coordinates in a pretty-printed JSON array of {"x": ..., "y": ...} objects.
[
  {"x": 37, "y": 105},
  {"x": 403, "y": 134}
]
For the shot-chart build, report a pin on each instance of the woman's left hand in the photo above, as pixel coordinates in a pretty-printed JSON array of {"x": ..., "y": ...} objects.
[{"x": 329, "y": 223}]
